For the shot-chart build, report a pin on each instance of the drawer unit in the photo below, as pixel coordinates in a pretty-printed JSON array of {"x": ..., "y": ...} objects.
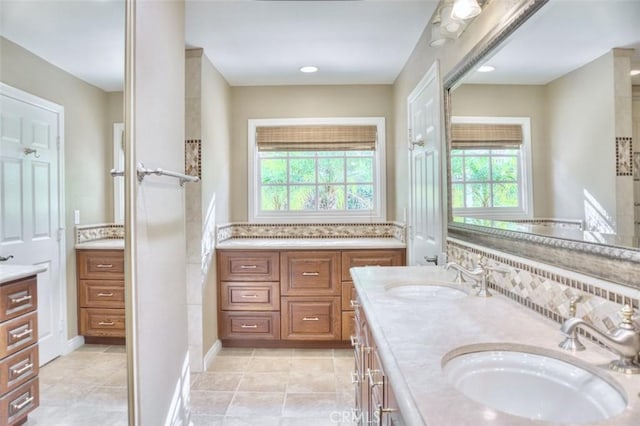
[
  {"x": 249, "y": 266},
  {"x": 312, "y": 273},
  {"x": 101, "y": 312},
  {"x": 239, "y": 296},
  {"x": 18, "y": 297},
  {"x": 250, "y": 325},
  {"x": 348, "y": 324},
  {"x": 311, "y": 318},
  {"x": 18, "y": 368},
  {"x": 16, "y": 405},
  {"x": 348, "y": 294},
  {"x": 101, "y": 264},
  {"x": 19, "y": 362},
  {"x": 102, "y": 322},
  {"x": 356, "y": 258}
]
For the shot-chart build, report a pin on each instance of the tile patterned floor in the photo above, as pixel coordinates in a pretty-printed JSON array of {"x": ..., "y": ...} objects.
[{"x": 256, "y": 387}]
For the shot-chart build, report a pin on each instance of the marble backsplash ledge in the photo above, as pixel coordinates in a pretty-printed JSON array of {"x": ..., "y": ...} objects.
[
  {"x": 311, "y": 230},
  {"x": 102, "y": 231}
]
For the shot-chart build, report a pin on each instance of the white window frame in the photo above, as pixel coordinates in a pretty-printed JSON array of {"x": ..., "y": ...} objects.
[
  {"x": 377, "y": 214},
  {"x": 526, "y": 185}
]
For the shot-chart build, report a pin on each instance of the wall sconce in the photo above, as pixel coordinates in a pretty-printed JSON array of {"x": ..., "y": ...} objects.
[
  {"x": 447, "y": 23},
  {"x": 465, "y": 9}
]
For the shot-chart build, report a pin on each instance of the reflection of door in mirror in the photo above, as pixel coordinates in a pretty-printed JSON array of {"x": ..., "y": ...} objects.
[{"x": 118, "y": 164}]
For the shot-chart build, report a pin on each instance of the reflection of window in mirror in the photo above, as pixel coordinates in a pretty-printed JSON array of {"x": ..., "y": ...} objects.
[
  {"x": 491, "y": 167},
  {"x": 118, "y": 164}
]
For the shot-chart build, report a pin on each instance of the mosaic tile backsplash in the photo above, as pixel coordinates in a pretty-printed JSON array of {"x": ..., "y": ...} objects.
[
  {"x": 311, "y": 230},
  {"x": 99, "y": 232},
  {"x": 547, "y": 290}
]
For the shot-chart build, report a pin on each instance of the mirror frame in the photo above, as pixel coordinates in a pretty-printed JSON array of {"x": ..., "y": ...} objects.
[{"x": 611, "y": 263}]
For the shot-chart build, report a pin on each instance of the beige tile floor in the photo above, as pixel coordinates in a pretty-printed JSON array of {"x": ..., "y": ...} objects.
[{"x": 256, "y": 387}]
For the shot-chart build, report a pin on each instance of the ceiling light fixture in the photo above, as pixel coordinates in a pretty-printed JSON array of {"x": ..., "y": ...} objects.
[
  {"x": 486, "y": 68},
  {"x": 633, "y": 73},
  {"x": 437, "y": 39},
  {"x": 308, "y": 69},
  {"x": 465, "y": 9}
]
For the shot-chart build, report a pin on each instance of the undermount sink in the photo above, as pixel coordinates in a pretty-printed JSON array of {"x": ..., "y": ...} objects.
[
  {"x": 425, "y": 290},
  {"x": 530, "y": 382}
]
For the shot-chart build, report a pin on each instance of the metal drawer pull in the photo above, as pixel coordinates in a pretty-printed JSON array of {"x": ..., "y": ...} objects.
[
  {"x": 16, "y": 336},
  {"x": 249, "y": 296},
  {"x": 354, "y": 377},
  {"x": 310, "y": 319},
  {"x": 105, "y": 294},
  {"x": 19, "y": 371},
  {"x": 310, "y": 274},
  {"x": 248, "y": 266},
  {"x": 104, "y": 265},
  {"x": 20, "y": 299},
  {"x": 248, "y": 326},
  {"x": 354, "y": 340},
  {"x": 20, "y": 406},
  {"x": 372, "y": 382},
  {"x": 106, "y": 323},
  {"x": 354, "y": 304}
]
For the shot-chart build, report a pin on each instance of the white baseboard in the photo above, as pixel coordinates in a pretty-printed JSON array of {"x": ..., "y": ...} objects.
[
  {"x": 74, "y": 344},
  {"x": 211, "y": 354}
]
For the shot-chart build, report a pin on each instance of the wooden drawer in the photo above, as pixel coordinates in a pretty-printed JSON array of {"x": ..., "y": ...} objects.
[
  {"x": 16, "y": 405},
  {"x": 348, "y": 294},
  {"x": 354, "y": 258},
  {"x": 248, "y": 266},
  {"x": 250, "y": 325},
  {"x": 18, "y": 333},
  {"x": 101, "y": 294},
  {"x": 237, "y": 296},
  {"x": 18, "y": 297},
  {"x": 311, "y": 318},
  {"x": 348, "y": 325},
  {"x": 101, "y": 264},
  {"x": 102, "y": 322},
  {"x": 18, "y": 368},
  {"x": 311, "y": 273}
]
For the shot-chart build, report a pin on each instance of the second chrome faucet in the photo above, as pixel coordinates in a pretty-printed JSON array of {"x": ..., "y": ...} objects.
[{"x": 479, "y": 274}]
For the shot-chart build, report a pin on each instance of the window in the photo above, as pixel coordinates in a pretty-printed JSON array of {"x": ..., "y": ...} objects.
[
  {"x": 490, "y": 171},
  {"x": 316, "y": 170}
]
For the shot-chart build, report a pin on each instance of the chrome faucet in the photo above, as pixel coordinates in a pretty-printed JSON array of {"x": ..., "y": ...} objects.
[
  {"x": 623, "y": 341},
  {"x": 477, "y": 274}
]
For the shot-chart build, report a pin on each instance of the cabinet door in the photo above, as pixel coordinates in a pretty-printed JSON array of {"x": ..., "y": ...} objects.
[
  {"x": 310, "y": 273},
  {"x": 354, "y": 258},
  {"x": 240, "y": 265},
  {"x": 348, "y": 325},
  {"x": 311, "y": 318}
]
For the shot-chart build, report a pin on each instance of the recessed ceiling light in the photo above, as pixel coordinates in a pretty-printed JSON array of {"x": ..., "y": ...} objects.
[
  {"x": 309, "y": 69},
  {"x": 486, "y": 68},
  {"x": 634, "y": 72}
]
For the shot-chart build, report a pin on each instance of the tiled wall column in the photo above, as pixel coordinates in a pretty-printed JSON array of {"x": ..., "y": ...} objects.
[{"x": 193, "y": 201}]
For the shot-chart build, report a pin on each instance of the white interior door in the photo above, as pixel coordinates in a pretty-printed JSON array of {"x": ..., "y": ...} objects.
[
  {"x": 29, "y": 226},
  {"x": 426, "y": 205}
]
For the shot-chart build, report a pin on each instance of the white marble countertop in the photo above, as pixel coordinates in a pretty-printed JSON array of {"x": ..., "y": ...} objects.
[
  {"x": 413, "y": 337},
  {"x": 105, "y": 244},
  {"x": 309, "y": 243},
  {"x": 15, "y": 272}
]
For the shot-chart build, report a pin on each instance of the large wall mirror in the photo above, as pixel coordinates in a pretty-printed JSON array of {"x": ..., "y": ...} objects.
[{"x": 570, "y": 176}]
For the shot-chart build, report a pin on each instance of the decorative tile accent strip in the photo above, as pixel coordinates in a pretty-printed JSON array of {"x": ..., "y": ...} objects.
[
  {"x": 311, "y": 230},
  {"x": 112, "y": 231},
  {"x": 624, "y": 150},
  {"x": 547, "y": 291},
  {"x": 192, "y": 157}
]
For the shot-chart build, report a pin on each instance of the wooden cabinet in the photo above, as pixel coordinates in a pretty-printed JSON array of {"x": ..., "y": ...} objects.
[
  {"x": 101, "y": 307},
  {"x": 18, "y": 350},
  {"x": 291, "y": 298},
  {"x": 375, "y": 401}
]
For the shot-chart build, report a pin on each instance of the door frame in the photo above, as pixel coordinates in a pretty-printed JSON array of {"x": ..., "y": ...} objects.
[
  {"x": 39, "y": 102},
  {"x": 433, "y": 72}
]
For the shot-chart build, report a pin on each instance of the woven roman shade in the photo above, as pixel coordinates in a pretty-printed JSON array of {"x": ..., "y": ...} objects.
[
  {"x": 316, "y": 138},
  {"x": 485, "y": 136}
]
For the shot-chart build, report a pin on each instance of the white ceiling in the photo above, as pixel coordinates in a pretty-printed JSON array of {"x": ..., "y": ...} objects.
[
  {"x": 352, "y": 42},
  {"x": 563, "y": 36}
]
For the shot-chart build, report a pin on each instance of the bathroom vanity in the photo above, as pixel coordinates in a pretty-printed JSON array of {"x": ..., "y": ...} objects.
[{"x": 19, "y": 364}]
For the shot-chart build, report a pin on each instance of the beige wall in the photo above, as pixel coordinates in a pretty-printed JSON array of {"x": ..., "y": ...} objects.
[
  {"x": 581, "y": 151},
  {"x": 87, "y": 144},
  {"x": 504, "y": 100},
  {"x": 216, "y": 178},
  {"x": 302, "y": 101}
]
